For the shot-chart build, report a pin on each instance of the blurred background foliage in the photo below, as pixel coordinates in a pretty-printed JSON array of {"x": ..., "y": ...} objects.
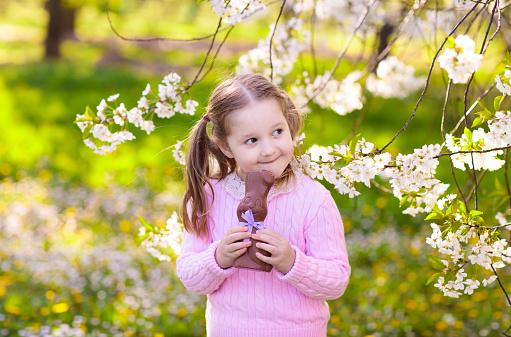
[{"x": 70, "y": 264}]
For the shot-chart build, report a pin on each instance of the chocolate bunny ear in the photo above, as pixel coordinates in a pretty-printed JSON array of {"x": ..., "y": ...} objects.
[{"x": 268, "y": 177}]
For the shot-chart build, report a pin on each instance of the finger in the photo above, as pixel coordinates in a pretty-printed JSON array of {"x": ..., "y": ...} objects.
[
  {"x": 239, "y": 252},
  {"x": 270, "y": 233},
  {"x": 237, "y": 246},
  {"x": 237, "y": 229},
  {"x": 266, "y": 238},
  {"x": 269, "y": 248},
  {"x": 237, "y": 237},
  {"x": 267, "y": 259}
]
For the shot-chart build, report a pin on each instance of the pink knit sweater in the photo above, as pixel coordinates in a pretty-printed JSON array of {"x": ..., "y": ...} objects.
[{"x": 249, "y": 303}]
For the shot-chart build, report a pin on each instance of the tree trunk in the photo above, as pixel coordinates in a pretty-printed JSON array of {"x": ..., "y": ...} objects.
[{"x": 54, "y": 32}]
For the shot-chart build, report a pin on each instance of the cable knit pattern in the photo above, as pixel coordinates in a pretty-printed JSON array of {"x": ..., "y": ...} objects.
[{"x": 250, "y": 303}]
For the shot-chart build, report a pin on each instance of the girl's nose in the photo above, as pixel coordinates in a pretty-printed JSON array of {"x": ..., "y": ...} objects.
[{"x": 268, "y": 148}]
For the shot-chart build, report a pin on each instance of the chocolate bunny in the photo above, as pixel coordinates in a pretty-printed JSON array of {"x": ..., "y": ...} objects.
[{"x": 257, "y": 186}]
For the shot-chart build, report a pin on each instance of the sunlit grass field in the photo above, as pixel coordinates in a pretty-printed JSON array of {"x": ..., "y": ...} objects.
[{"x": 70, "y": 262}]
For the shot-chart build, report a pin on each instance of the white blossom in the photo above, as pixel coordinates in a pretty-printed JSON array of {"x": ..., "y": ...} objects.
[
  {"x": 113, "y": 98},
  {"x": 393, "y": 79},
  {"x": 342, "y": 97},
  {"x": 179, "y": 155},
  {"x": 461, "y": 62},
  {"x": 503, "y": 82},
  {"x": 234, "y": 11}
]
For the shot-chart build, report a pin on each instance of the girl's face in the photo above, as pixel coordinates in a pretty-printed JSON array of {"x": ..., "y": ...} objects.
[{"x": 259, "y": 138}]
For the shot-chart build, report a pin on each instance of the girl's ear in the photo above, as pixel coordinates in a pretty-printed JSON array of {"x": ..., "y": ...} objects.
[{"x": 225, "y": 149}]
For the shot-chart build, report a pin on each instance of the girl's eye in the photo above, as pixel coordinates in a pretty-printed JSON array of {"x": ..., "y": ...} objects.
[
  {"x": 277, "y": 132},
  {"x": 251, "y": 141}
]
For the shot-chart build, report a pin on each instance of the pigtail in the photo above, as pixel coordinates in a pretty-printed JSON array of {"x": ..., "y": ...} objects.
[{"x": 199, "y": 168}]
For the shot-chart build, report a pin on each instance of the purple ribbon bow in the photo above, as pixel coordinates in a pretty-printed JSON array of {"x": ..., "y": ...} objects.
[{"x": 251, "y": 223}]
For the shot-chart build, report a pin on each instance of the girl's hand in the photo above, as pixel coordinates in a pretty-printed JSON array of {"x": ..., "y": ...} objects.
[
  {"x": 229, "y": 249},
  {"x": 282, "y": 254}
]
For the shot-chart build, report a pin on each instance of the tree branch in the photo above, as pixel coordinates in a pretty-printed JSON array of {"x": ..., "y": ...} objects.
[
  {"x": 152, "y": 38},
  {"x": 428, "y": 78},
  {"x": 341, "y": 54},
  {"x": 272, "y": 35}
]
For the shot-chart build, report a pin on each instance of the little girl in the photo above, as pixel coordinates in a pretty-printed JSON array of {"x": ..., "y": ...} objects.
[{"x": 253, "y": 126}]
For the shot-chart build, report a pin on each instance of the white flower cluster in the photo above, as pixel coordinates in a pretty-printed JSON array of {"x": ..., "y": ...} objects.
[
  {"x": 411, "y": 176},
  {"x": 393, "y": 79},
  {"x": 178, "y": 154},
  {"x": 167, "y": 103},
  {"x": 320, "y": 163},
  {"x": 169, "y": 237},
  {"x": 498, "y": 136},
  {"x": 503, "y": 82},
  {"x": 414, "y": 177},
  {"x": 288, "y": 42},
  {"x": 485, "y": 253},
  {"x": 234, "y": 11},
  {"x": 341, "y": 96},
  {"x": 462, "y": 61}
]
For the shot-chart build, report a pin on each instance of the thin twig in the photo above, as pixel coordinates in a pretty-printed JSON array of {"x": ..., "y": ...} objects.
[
  {"x": 507, "y": 178},
  {"x": 313, "y": 51},
  {"x": 478, "y": 99},
  {"x": 207, "y": 55},
  {"x": 457, "y": 184},
  {"x": 442, "y": 129},
  {"x": 501, "y": 286},
  {"x": 272, "y": 35},
  {"x": 216, "y": 54},
  {"x": 478, "y": 183},
  {"x": 483, "y": 48},
  {"x": 150, "y": 39},
  {"x": 417, "y": 5},
  {"x": 341, "y": 54},
  {"x": 472, "y": 151},
  {"x": 427, "y": 80}
]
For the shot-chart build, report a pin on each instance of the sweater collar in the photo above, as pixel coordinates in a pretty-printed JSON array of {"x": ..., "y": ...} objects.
[{"x": 236, "y": 187}]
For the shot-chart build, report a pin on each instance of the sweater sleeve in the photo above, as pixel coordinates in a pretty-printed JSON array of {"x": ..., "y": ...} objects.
[
  {"x": 323, "y": 270},
  {"x": 197, "y": 267}
]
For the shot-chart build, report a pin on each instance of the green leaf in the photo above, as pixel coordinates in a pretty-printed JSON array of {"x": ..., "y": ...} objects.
[
  {"x": 463, "y": 208},
  {"x": 468, "y": 134},
  {"x": 141, "y": 239},
  {"x": 342, "y": 162},
  {"x": 497, "y": 101},
  {"x": 86, "y": 131},
  {"x": 481, "y": 104},
  {"x": 449, "y": 210},
  {"x": 477, "y": 121},
  {"x": 353, "y": 143},
  {"x": 475, "y": 212},
  {"x": 450, "y": 43},
  {"x": 507, "y": 60},
  {"x": 403, "y": 200},
  {"x": 433, "y": 277},
  {"x": 89, "y": 113},
  {"x": 82, "y": 119},
  {"x": 455, "y": 226},
  {"x": 434, "y": 216},
  {"x": 338, "y": 154},
  {"x": 436, "y": 263},
  {"x": 146, "y": 224},
  {"x": 438, "y": 210}
]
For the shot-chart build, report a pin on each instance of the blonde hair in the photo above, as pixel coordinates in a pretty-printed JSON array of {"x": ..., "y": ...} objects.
[{"x": 233, "y": 94}]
